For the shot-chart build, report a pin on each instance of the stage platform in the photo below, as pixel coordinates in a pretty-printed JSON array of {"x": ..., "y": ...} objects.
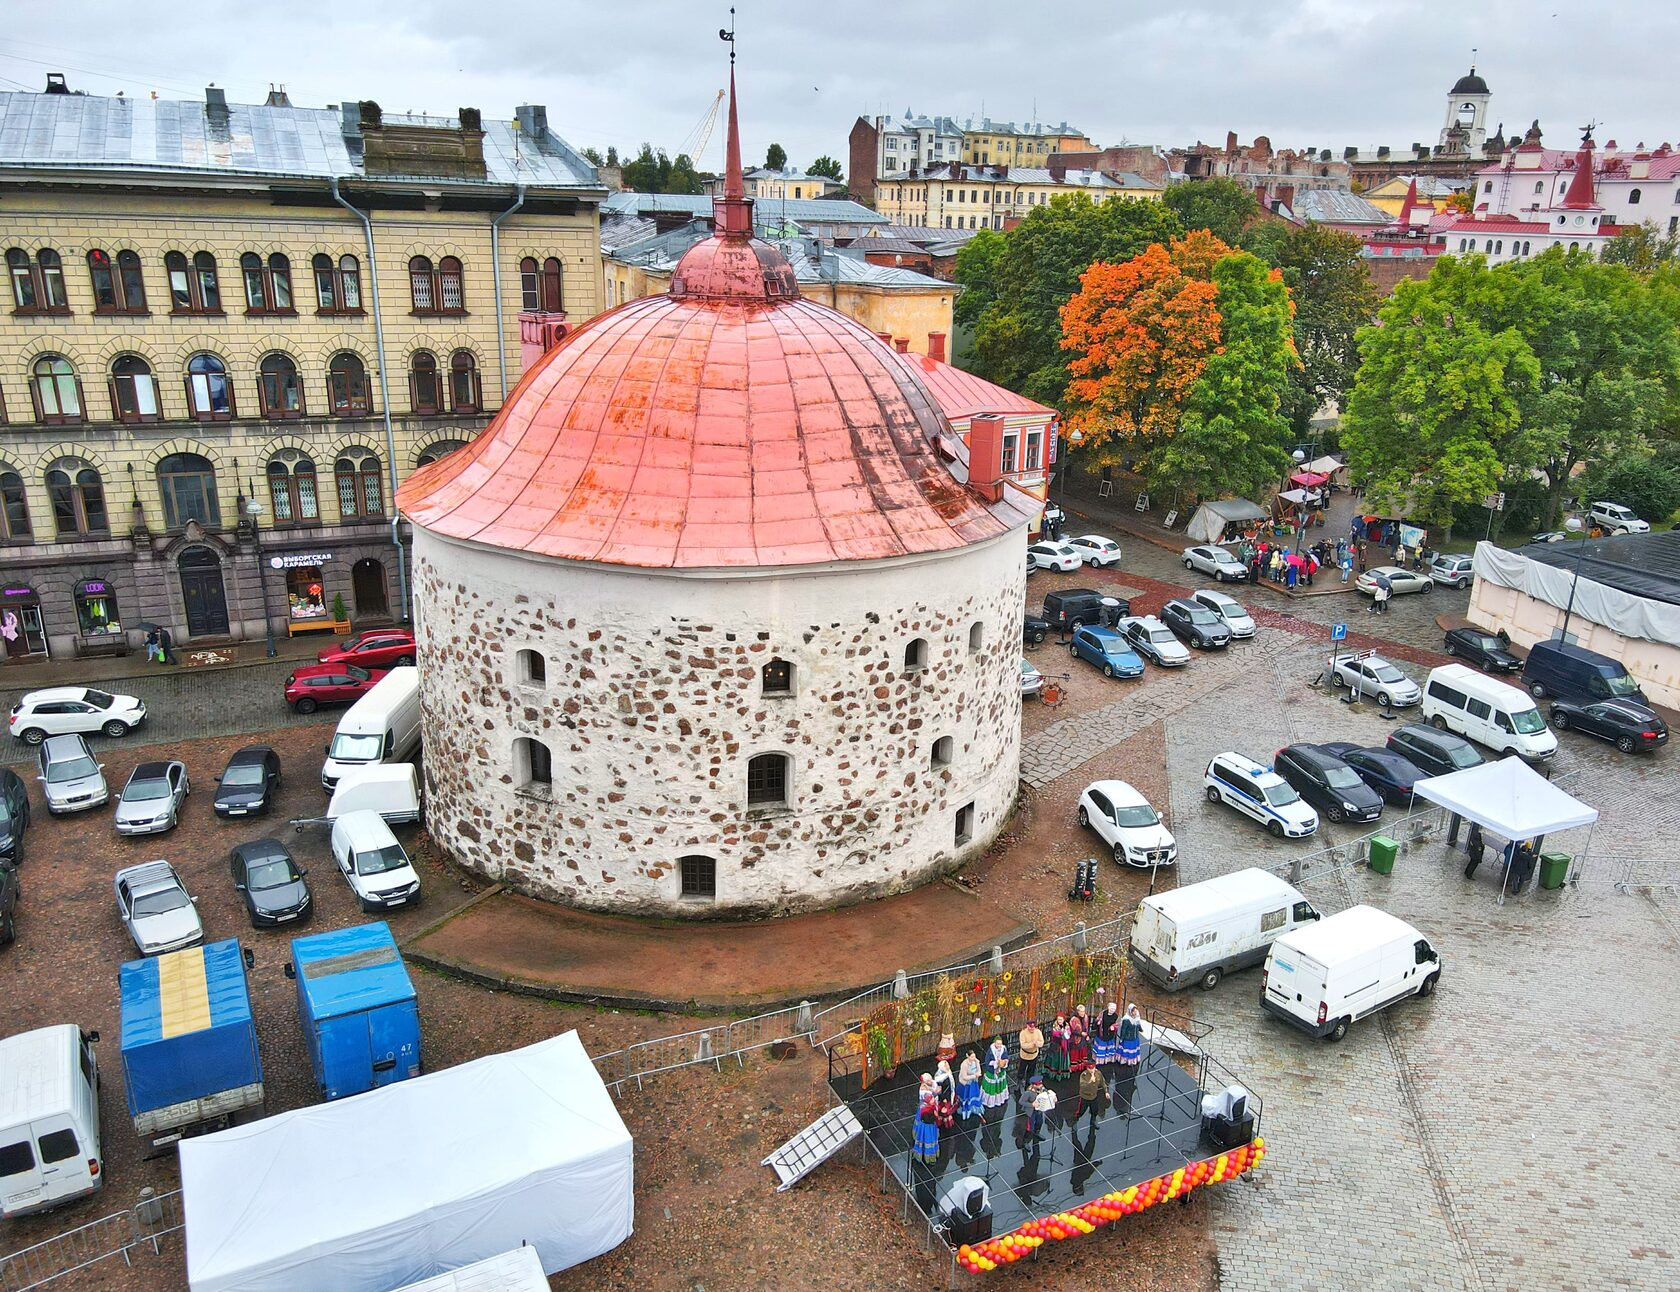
[{"x": 1141, "y": 1127}]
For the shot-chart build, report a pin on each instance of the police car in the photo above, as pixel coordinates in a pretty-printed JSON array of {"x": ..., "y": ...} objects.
[{"x": 1259, "y": 792}]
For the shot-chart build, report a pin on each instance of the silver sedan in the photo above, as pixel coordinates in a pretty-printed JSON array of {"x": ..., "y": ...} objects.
[
  {"x": 1216, "y": 561},
  {"x": 151, "y": 801}
]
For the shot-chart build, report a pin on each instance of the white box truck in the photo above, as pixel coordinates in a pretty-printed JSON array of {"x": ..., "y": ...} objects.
[
  {"x": 382, "y": 727},
  {"x": 1352, "y": 964},
  {"x": 49, "y": 1118},
  {"x": 1200, "y": 933}
]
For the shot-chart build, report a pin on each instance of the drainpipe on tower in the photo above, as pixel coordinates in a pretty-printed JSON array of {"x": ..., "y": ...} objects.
[{"x": 496, "y": 278}]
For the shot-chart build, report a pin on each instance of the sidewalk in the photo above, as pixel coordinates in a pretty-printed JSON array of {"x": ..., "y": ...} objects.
[{"x": 72, "y": 671}]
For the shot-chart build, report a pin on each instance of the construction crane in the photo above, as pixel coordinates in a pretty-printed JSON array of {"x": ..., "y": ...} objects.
[{"x": 694, "y": 144}]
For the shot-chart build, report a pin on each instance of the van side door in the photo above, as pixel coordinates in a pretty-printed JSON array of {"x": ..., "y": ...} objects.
[{"x": 62, "y": 1158}]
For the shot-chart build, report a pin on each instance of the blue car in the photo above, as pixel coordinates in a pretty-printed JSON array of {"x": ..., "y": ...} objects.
[
  {"x": 1107, "y": 649},
  {"x": 1383, "y": 770}
]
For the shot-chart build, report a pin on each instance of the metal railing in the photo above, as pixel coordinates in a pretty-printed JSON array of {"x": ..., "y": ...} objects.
[
  {"x": 124, "y": 1233},
  {"x": 733, "y": 1039}
]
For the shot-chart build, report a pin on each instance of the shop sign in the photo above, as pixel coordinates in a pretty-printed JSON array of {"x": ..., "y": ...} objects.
[
  {"x": 23, "y": 590},
  {"x": 299, "y": 560},
  {"x": 94, "y": 588}
]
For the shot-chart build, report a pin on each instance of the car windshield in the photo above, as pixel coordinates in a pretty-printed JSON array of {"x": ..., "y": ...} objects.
[
  {"x": 1623, "y": 685},
  {"x": 242, "y": 774},
  {"x": 1160, "y": 634},
  {"x": 1463, "y": 756},
  {"x": 99, "y": 699},
  {"x": 140, "y": 791},
  {"x": 1387, "y": 673},
  {"x": 1341, "y": 778},
  {"x": 73, "y": 770},
  {"x": 1141, "y": 815},
  {"x": 1487, "y": 642},
  {"x": 1116, "y": 650},
  {"x": 376, "y": 861},
  {"x": 160, "y": 901},
  {"x": 1528, "y": 721},
  {"x": 271, "y": 874},
  {"x": 1236, "y": 614},
  {"x": 356, "y": 749},
  {"x": 1281, "y": 795},
  {"x": 1200, "y": 615}
]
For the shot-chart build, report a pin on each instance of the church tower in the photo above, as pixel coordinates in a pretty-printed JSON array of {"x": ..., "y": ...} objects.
[{"x": 1465, "y": 129}]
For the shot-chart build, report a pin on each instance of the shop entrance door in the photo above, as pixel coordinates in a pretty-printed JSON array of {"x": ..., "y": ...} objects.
[
  {"x": 202, "y": 593},
  {"x": 23, "y": 633},
  {"x": 367, "y": 581}
]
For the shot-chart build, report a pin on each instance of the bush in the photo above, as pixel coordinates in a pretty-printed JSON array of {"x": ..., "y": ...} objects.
[{"x": 1648, "y": 485}]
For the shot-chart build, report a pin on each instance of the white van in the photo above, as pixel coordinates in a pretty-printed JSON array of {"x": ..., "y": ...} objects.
[
  {"x": 374, "y": 863},
  {"x": 1351, "y": 964},
  {"x": 1200, "y": 933},
  {"x": 49, "y": 1119},
  {"x": 382, "y": 727},
  {"x": 1496, "y": 714}
]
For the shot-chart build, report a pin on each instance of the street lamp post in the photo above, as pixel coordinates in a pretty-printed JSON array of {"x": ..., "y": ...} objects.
[
  {"x": 254, "y": 510},
  {"x": 1574, "y": 526},
  {"x": 1074, "y": 439}
]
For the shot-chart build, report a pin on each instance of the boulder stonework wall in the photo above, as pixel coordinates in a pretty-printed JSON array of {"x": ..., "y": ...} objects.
[{"x": 652, "y": 705}]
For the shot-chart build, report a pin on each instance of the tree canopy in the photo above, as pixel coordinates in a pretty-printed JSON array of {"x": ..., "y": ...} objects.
[
  {"x": 826, "y": 165},
  {"x": 654, "y": 172},
  {"x": 775, "y": 157},
  {"x": 1221, "y": 206}
]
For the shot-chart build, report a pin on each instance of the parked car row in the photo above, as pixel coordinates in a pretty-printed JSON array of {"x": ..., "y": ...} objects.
[{"x": 1071, "y": 554}]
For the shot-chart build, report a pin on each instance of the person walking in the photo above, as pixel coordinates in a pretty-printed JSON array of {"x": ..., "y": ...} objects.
[
  {"x": 1362, "y": 556},
  {"x": 1293, "y": 574},
  {"x": 1028, "y": 1044},
  {"x": 1380, "y": 601},
  {"x": 1347, "y": 566},
  {"x": 1473, "y": 845}
]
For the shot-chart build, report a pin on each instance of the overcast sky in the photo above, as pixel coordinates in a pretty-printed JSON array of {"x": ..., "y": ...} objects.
[{"x": 1324, "y": 73}]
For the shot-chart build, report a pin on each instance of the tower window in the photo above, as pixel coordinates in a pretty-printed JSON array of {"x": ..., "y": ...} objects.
[
  {"x": 533, "y": 668},
  {"x": 777, "y": 677},
  {"x": 943, "y": 748},
  {"x": 533, "y": 766},
  {"x": 976, "y": 637},
  {"x": 767, "y": 780},
  {"x": 965, "y": 823},
  {"x": 916, "y": 654},
  {"x": 699, "y": 876}
]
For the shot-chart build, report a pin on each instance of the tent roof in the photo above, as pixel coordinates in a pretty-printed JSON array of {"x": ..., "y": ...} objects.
[
  {"x": 1507, "y": 797},
  {"x": 1325, "y": 464},
  {"x": 1231, "y": 509},
  {"x": 1293, "y": 495},
  {"x": 1308, "y": 478}
]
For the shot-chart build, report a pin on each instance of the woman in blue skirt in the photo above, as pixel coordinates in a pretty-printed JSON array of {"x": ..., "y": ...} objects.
[
  {"x": 1105, "y": 1035},
  {"x": 926, "y": 1147},
  {"x": 969, "y": 1103},
  {"x": 1131, "y": 1037}
]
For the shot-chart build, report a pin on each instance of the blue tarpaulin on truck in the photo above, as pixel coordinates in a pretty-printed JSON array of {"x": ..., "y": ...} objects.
[{"x": 186, "y": 1026}]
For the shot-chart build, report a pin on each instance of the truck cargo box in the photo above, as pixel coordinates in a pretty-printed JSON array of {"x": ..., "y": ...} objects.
[{"x": 358, "y": 1010}]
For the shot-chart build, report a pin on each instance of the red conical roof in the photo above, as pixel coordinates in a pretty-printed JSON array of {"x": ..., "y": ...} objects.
[{"x": 1580, "y": 196}]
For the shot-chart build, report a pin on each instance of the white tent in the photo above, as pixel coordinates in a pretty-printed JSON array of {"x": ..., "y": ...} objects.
[
  {"x": 414, "y": 1179},
  {"x": 1507, "y": 797},
  {"x": 1326, "y": 465},
  {"x": 1211, "y": 518}
]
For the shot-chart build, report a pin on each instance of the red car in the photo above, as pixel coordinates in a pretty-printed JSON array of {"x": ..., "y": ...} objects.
[
  {"x": 316, "y": 684},
  {"x": 381, "y": 648}
]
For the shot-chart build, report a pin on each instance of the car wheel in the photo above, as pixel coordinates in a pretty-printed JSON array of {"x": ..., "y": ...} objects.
[
  {"x": 1560, "y": 720},
  {"x": 1275, "y": 828},
  {"x": 1084, "y": 817},
  {"x": 1438, "y": 722},
  {"x": 403, "y": 661},
  {"x": 1335, "y": 813},
  {"x": 1219, "y": 576},
  {"x": 1625, "y": 744},
  {"x": 1210, "y": 979},
  {"x": 115, "y": 729},
  {"x": 1428, "y": 985},
  {"x": 1537, "y": 690},
  {"x": 1452, "y": 650},
  {"x": 1212, "y": 794},
  {"x": 1035, "y": 638},
  {"x": 1462, "y": 584},
  {"x": 7, "y": 931},
  {"x": 1337, "y": 1032},
  {"x": 305, "y": 705},
  {"x": 1382, "y": 699},
  {"x": 1119, "y": 855},
  {"x": 1108, "y": 670},
  {"x": 1073, "y": 651},
  {"x": 33, "y": 736},
  {"x": 1187, "y": 565},
  {"x": 1429, "y": 586}
]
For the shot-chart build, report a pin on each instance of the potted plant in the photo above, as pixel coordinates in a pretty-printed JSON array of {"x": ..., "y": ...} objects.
[{"x": 340, "y": 614}]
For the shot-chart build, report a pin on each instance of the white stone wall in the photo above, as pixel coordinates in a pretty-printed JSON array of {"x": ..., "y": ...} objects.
[{"x": 653, "y": 705}]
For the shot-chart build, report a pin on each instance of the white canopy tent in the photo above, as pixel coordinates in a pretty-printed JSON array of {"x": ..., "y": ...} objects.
[
  {"x": 1326, "y": 465},
  {"x": 414, "y": 1179},
  {"x": 1209, "y": 523}
]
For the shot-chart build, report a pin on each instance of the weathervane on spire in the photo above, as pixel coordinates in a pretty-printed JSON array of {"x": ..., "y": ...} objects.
[
  {"x": 727, "y": 34},
  {"x": 1587, "y": 132}
]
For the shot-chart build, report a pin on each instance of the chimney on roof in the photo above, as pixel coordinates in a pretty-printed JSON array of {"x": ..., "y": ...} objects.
[
  {"x": 56, "y": 84},
  {"x": 886, "y": 339},
  {"x": 277, "y": 97},
  {"x": 936, "y": 346},
  {"x": 985, "y": 455},
  {"x": 215, "y": 105},
  {"x": 901, "y": 344},
  {"x": 533, "y": 120}
]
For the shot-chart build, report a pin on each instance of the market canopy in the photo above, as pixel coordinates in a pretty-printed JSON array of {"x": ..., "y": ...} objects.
[
  {"x": 1211, "y": 518},
  {"x": 1507, "y": 797},
  {"x": 1326, "y": 464},
  {"x": 1297, "y": 496},
  {"x": 1311, "y": 479}
]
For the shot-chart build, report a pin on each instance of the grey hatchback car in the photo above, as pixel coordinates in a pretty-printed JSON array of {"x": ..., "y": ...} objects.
[{"x": 71, "y": 778}]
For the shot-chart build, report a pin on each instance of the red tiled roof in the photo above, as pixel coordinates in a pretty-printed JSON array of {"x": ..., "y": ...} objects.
[
  {"x": 1663, "y": 166},
  {"x": 961, "y": 394},
  {"x": 1497, "y": 224}
]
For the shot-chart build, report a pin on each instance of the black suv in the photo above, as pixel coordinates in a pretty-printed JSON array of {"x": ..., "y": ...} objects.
[
  {"x": 1328, "y": 783},
  {"x": 14, "y": 816},
  {"x": 1074, "y": 606},
  {"x": 1195, "y": 624},
  {"x": 1034, "y": 629},
  {"x": 1434, "y": 753}
]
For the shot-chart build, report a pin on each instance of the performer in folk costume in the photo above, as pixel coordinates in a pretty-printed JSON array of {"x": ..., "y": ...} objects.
[
  {"x": 947, "y": 1087},
  {"x": 1056, "y": 1064},
  {"x": 926, "y": 1147},
  {"x": 1105, "y": 1035},
  {"x": 1079, "y": 1040},
  {"x": 1041, "y": 1102},
  {"x": 1131, "y": 1036},
  {"x": 970, "y": 1102},
  {"x": 947, "y": 1051},
  {"x": 994, "y": 1081}
]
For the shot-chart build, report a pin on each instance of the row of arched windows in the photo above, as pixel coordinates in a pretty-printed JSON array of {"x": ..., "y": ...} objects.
[{"x": 56, "y": 390}]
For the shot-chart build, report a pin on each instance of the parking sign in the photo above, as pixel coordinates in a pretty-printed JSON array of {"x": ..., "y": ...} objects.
[{"x": 1338, "y": 632}]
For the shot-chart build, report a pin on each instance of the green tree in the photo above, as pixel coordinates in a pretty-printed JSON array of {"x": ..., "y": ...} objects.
[
  {"x": 1643, "y": 247},
  {"x": 641, "y": 173},
  {"x": 1221, "y": 206},
  {"x": 775, "y": 157},
  {"x": 1649, "y": 485},
  {"x": 612, "y": 155},
  {"x": 825, "y": 165},
  {"x": 976, "y": 268},
  {"x": 1435, "y": 414},
  {"x": 593, "y": 157},
  {"x": 683, "y": 177}
]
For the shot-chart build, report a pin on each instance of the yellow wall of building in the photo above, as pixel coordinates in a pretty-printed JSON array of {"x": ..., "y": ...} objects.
[
  {"x": 929, "y": 201},
  {"x": 1390, "y": 195}
]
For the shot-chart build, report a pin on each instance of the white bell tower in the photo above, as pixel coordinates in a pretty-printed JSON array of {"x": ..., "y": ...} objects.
[{"x": 1465, "y": 129}]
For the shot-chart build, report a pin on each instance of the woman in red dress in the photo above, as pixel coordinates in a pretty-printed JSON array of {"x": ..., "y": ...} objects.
[{"x": 1079, "y": 1041}]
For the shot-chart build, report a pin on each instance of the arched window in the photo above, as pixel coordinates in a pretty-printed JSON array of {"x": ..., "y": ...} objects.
[
  {"x": 976, "y": 637},
  {"x": 118, "y": 288},
  {"x": 209, "y": 392},
  {"x": 56, "y": 391},
  {"x": 451, "y": 286},
  {"x": 204, "y": 280},
  {"x": 52, "y": 280},
  {"x": 193, "y": 286},
  {"x": 767, "y": 780},
  {"x": 268, "y": 286},
  {"x": 438, "y": 449},
  {"x": 338, "y": 288},
  {"x": 533, "y": 668},
  {"x": 360, "y": 489},
  {"x": 422, "y": 285},
  {"x": 698, "y": 876},
  {"x": 25, "y": 290},
  {"x": 530, "y": 288},
  {"x": 291, "y": 488},
  {"x": 350, "y": 284},
  {"x": 553, "y": 284},
  {"x": 439, "y": 290},
  {"x": 280, "y": 387},
  {"x": 1525, "y": 247},
  {"x": 347, "y": 386},
  {"x": 134, "y": 395},
  {"x": 326, "y": 284},
  {"x": 78, "y": 498},
  {"x": 188, "y": 485},
  {"x": 943, "y": 750},
  {"x": 533, "y": 766},
  {"x": 465, "y": 395},
  {"x": 37, "y": 288},
  {"x": 256, "y": 291},
  {"x": 1539, "y": 186},
  {"x": 425, "y": 391},
  {"x": 1633, "y": 197},
  {"x": 916, "y": 654},
  {"x": 777, "y": 677},
  {"x": 14, "y": 507}
]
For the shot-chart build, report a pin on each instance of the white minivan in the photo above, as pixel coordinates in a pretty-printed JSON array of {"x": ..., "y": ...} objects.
[
  {"x": 49, "y": 1119},
  {"x": 1496, "y": 714},
  {"x": 1201, "y": 932},
  {"x": 381, "y": 727},
  {"x": 1353, "y": 963},
  {"x": 374, "y": 863}
]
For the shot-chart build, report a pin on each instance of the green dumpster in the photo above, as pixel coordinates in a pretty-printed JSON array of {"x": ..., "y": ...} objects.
[
  {"x": 1383, "y": 852},
  {"x": 1554, "y": 869}
]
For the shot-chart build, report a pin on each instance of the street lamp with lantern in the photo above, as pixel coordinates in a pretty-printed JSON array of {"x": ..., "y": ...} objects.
[
  {"x": 1575, "y": 526},
  {"x": 254, "y": 510},
  {"x": 1074, "y": 438}
]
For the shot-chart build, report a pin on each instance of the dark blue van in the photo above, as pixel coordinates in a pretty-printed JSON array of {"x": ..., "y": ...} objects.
[{"x": 1565, "y": 671}]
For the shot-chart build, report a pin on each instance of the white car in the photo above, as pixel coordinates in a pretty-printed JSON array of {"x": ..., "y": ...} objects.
[
  {"x": 374, "y": 863},
  {"x": 1215, "y": 561},
  {"x": 1096, "y": 549},
  {"x": 1376, "y": 678},
  {"x": 1259, "y": 792},
  {"x": 1124, "y": 820},
  {"x": 156, "y": 909},
  {"x": 1613, "y": 518},
  {"x": 1032, "y": 681},
  {"x": 1056, "y": 556},
  {"x": 1238, "y": 620},
  {"x": 74, "y": 710},
  {"x": 1154, "y": 640}
]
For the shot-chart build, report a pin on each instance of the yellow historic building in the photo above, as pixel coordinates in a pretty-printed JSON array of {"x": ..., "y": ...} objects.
[
  {"x": 957, "y": 196},
  {"x": 232, "y": 331},
  {"x": 1002, "y": 143},
  {"x": 1432, "y": 192}
]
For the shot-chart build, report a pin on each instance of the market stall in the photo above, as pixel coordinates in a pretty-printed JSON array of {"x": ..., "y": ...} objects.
[{"x": 1214, "y": 522}]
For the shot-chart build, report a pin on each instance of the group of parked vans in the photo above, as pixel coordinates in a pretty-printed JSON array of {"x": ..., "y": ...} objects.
[{"x": 1322, "y": 973}]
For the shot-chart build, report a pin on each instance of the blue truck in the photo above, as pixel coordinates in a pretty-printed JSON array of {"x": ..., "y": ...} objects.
[
  {"x": 357, "y": 1005},
  {"x": 189, "y": 1046}
]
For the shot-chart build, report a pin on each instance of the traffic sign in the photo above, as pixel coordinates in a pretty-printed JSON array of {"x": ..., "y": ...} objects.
[
  {"x": 1494, "y": 501},
  {"x": 1338, "y": 632}
]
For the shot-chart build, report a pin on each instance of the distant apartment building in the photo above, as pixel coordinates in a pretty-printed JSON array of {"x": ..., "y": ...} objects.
[
  {"x": 1002, "y": 143},
  {"x": 768, "y": 183},
  {"x": 958, "y": 196},
  {"x": 882, "y": 146}
]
